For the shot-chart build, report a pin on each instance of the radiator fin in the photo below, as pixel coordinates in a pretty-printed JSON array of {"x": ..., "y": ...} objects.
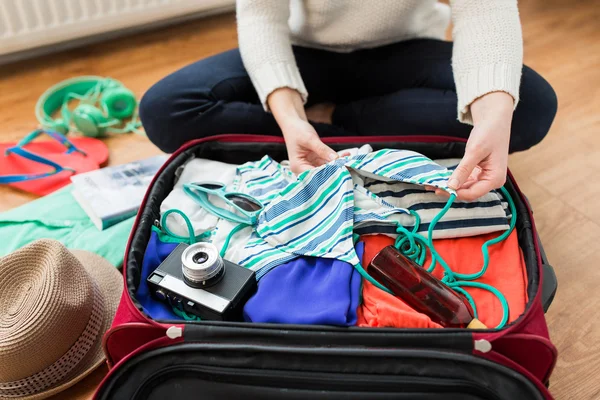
[{"x": 26, "y": 24}]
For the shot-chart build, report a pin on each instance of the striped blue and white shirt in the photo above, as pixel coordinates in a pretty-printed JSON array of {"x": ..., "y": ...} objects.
[{"x": 317, "y": 213}]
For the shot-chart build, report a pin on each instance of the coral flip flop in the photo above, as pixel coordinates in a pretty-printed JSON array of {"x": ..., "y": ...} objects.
[{"x": 45, "y": 166}]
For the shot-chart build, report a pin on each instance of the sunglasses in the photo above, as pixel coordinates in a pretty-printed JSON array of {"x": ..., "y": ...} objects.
[{"x": 245, "y": 208}]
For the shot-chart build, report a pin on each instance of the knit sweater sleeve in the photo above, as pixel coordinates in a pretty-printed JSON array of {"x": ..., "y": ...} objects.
[
  {"x": 488, "y": 50},
  {"x": 265, "y": 46}
]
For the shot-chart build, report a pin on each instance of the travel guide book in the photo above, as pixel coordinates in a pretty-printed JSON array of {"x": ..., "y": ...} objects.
[{"x": 112, "y": 194}]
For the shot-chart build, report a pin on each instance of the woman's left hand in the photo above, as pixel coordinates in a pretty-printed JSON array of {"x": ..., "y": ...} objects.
[{"x": 484, "y": 166}]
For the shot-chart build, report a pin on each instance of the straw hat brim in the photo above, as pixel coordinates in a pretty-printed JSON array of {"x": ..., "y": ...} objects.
[{"x": 110, "y": 282}]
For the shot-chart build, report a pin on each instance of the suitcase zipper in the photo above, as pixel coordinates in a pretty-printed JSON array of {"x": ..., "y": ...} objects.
[
  {"x": 317, "y": 381},
  {"x": 150, "y": 353}
]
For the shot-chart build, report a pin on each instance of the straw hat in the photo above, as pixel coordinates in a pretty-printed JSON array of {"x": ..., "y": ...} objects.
[{"x": 55, "y": 306}]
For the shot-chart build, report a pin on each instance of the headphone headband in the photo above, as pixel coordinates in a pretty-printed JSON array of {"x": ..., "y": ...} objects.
[
  {"x": 89, "y": 89},
  {"x": 52, "y": 99}
]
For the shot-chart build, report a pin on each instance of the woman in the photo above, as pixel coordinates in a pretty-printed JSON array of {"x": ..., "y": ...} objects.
[{"x": 365, "y": 67}]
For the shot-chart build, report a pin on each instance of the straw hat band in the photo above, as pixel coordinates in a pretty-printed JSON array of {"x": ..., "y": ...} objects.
[{"x": 62, "y": 367}]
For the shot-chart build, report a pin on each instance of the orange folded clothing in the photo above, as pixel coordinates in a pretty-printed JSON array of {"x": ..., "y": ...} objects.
[
  {"x": 506, "y": 272},
  {"x": 379, "y": 308}
]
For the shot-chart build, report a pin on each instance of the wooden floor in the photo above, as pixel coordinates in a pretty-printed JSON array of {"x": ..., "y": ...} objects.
[{"x": 561, "y": 176}]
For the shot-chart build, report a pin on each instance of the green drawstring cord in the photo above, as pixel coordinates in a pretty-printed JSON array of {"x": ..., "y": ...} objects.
[
  {"x": 182, "y": 314},
  {"x": 414, "y": 246},
  {"x": 484, "y": 248},
  {"x": 190, "y": 239},
  {"x": 368, "y": 277},
  {"x": 456, "y": 280},
  {"x": 228, "y": 239}
]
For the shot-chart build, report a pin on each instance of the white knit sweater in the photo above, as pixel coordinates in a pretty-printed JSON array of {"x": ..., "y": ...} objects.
[{"x": 487, "y": 55}]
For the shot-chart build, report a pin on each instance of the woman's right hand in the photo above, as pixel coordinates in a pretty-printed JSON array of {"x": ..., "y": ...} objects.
[{"x": 305, "y": 148}]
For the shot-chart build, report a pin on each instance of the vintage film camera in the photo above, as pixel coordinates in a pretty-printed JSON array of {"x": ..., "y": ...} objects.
[{"x": 197, "y": 280}]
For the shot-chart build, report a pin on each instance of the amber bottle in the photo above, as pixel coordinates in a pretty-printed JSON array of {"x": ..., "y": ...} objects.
[{"x": 422, "y": 291}]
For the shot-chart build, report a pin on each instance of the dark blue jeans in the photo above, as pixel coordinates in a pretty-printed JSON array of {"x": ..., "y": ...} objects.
[{"x": 405, "y": 88}]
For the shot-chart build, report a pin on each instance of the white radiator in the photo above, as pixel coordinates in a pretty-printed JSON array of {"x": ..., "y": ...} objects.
[{"x": 27, "y": 24}]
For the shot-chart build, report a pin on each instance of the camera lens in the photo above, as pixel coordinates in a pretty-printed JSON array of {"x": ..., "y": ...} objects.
[
  {"x": 200, "y": 257},
  {"x": 201, "y": 265}
]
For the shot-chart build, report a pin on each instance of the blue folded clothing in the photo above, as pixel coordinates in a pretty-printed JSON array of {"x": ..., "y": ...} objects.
[
  {"x": 308, "y": 290},
  {"x": 156, "y": 252}
]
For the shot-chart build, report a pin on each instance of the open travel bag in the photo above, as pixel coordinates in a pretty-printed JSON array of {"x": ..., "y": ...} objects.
[{"x": 177, "y": 359}]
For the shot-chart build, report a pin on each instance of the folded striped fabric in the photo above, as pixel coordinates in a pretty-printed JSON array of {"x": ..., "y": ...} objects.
[
  {"x": 263, "y": 180},
  {"x": 317, "y": 213},
  {"x": 490, "y": 213}
]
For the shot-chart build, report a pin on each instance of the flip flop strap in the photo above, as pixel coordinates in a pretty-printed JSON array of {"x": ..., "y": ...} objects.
[
  {"x": 60, "y": 138},
  {"x": 35, "y": 158}
]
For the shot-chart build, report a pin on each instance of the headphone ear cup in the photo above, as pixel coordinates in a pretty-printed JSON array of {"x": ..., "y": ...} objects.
[
  {"x": 119, "y": 102},
  {"x": 88, "y": 119}
]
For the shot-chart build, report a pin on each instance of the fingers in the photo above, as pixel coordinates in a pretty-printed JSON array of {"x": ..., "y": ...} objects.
[
  {"x": 475, "y": 190},
  {"x": 474, "y": 174},
  {"x": 312, "y": 154},
  {"x": 464, "y": 170},
  {"x": 468, "y": 184},
  {"x": 322, "y": 151},
  {"x": 472, "y": 179},
  {"x": 442, "y": 193}
]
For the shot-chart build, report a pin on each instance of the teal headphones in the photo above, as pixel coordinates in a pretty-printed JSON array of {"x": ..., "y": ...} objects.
[{"x": 104, "y": 104}]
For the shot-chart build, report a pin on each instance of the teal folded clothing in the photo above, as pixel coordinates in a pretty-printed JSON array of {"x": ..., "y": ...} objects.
[{"x": 58, "y": 216}]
